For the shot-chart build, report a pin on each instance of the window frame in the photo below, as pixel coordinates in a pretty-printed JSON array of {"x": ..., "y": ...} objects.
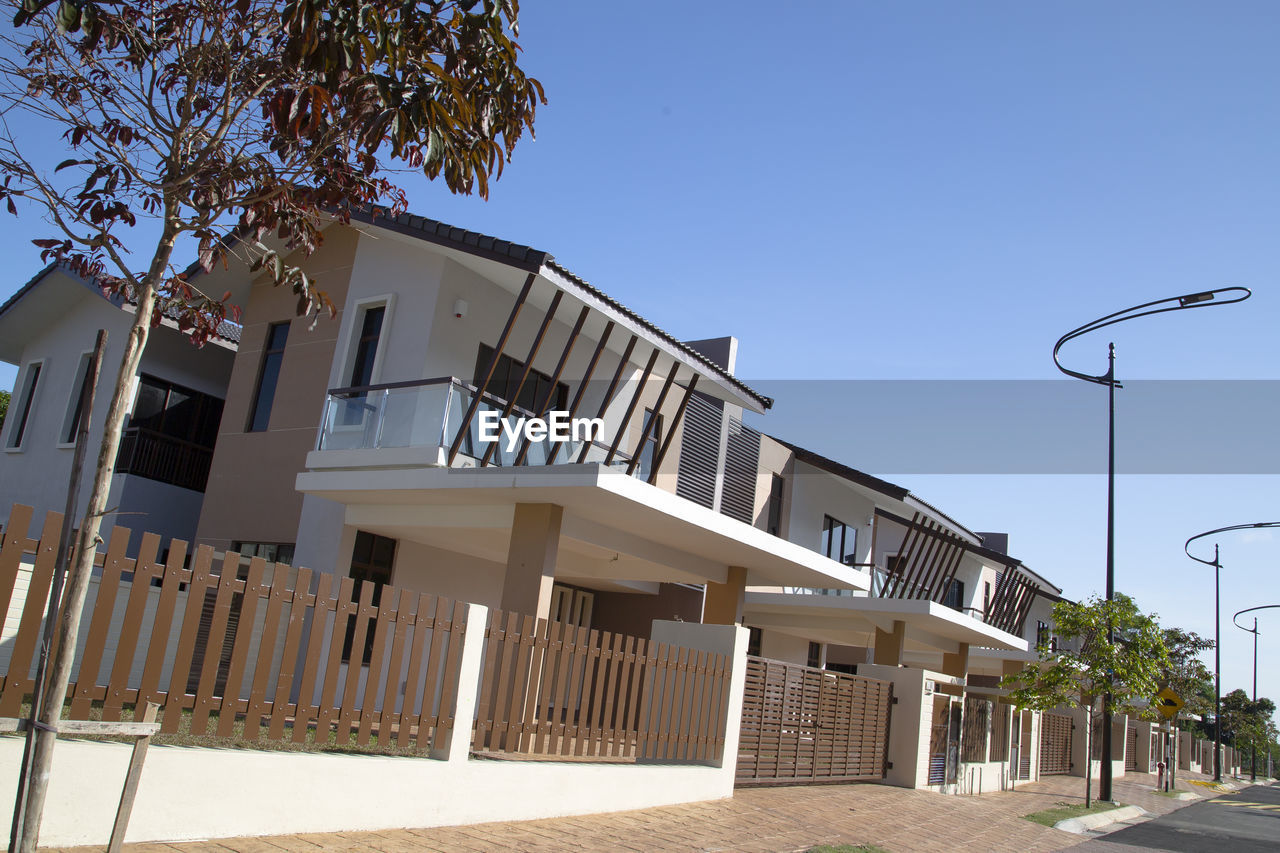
[
  {"x": 352, "y": 338},
  {"x": 15, "y": 423},
  {"x": 827, "y": 538},
  {"x": 256, "y": 401},
  {"x": 71, "y": 419},
  {"x": 348, "y": 642},
  {"x": 774, "y": 507}
]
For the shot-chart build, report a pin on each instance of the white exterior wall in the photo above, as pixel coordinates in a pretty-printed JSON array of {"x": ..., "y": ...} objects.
[
  {"x": 787, "y": 648},
  {"x": 37, "y": 473},
  {"x": 815, "y": 493}
]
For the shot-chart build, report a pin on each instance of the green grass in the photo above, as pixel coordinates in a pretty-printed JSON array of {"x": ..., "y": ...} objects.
[
  {"x": 1064, "y": 811},
  {"x": 848, "y": 848},
  {"x": 1175, "y": 792}
]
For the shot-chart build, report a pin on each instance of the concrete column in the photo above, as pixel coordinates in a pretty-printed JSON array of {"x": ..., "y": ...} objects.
[
  {"x": 956, "y": 664},
  {"x": 889, "y": 645},
  {"x": 531, "y": 559},
  {"x": 722, "y": 602},
  {"x": 456, "y": 745}
]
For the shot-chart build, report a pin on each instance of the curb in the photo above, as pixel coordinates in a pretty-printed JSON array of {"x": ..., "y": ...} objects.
[{"x": 1081, "y": 825}]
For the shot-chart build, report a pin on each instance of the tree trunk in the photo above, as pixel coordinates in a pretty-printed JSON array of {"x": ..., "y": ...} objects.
[{"x": 81, "y": 569}]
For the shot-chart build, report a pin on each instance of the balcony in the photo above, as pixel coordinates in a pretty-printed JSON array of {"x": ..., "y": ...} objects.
[
  {"x": 164, "y": 458},
  {"x": 429, "y": 413}
]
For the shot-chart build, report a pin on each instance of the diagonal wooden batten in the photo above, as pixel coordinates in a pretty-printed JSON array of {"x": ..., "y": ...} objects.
[
  {"x": 528, "y": 367},
  {"x": 651, "y": 425},
  {"x": 582, "y": 386},
  {"x": 631, "y": 407},
  {"x": 608, "y": 392},
  {"x": 924, "y": 549},
  {"x": 544, "y": 405},
  {"x": 493, "y": 365},
  {"x": 673, "y": 429},
  {"x": 896, "y": 577}
]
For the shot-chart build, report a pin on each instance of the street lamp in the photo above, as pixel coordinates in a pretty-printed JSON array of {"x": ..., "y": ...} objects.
[
  {"x": 1253, "y": 763},
  {"x": 1217, "y": 631},
  {"x": 1204, "y": 299}
]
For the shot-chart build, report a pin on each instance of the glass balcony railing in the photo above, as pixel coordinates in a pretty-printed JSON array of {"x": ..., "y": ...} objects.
[{"x": 430, "y": 413}]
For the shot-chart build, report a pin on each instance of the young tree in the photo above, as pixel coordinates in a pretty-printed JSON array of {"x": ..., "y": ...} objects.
[
  {"x": 1186, "y": 673},
  {"x": 1246, "y": 724},
  {"x": 1086, "y": 667},
  {"x": 244, "y": 127},
  {"x": 4, "y": 406}
]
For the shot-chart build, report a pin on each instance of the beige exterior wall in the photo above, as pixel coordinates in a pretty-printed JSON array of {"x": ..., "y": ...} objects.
[{"x": 251, "y": 495}]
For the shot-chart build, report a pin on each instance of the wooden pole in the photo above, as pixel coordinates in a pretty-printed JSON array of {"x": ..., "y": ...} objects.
[
  {"x": 88, "y": 389},
  {"x": 131, "y": 779}
]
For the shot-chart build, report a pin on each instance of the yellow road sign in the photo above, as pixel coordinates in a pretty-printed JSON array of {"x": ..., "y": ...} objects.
[{"x": 1168, "y": 703}]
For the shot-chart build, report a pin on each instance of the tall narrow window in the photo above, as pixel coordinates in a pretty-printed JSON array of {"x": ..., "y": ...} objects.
[
  {"x": 268, "y": 376},
  {"x": 24, "y": 405},
  {"x": 815, "y": 655},
  {"x": 371, "y": 562},
  {"x": 838, "y": 539},
  {"x": 954, "y": 597},
  {"x": 649, "y": 452},
  {"x": 367, "y": 346},
  {"x": 74, "y": 405},
  {"x": 775, "y": 506}
]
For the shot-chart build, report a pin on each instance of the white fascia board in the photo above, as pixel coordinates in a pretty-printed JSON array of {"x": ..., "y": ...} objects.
[{"x": 721, "y": 389}]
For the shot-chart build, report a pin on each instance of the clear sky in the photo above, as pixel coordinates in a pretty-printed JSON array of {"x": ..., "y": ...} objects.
[{"x": 913, "y": 190}]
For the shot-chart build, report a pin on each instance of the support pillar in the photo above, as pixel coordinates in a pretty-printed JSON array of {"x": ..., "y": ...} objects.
[
  {"x": 531, "y": 559},
  {"x": 890, "y": 644},
  {"x": 722, "y": 602}
]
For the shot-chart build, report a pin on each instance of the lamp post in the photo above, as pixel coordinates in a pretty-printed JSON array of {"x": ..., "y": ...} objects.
[
  {"x": 1217, "y": 631},
  {"x": 1253, "y": 762},
  {"x": 1204, "y": 299}
]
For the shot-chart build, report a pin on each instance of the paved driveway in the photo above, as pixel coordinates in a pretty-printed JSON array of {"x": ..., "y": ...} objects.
[{"x": 768, "y": 820}]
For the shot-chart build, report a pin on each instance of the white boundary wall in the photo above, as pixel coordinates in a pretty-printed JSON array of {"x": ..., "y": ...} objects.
[{"x": 196, "y": 793}]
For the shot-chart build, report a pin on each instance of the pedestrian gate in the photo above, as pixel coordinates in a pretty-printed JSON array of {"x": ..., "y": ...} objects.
[
  {"x": 1131, "y": 749},
  {"x": 1055, "y": 744},
  {"x": 801, "y": 724}
]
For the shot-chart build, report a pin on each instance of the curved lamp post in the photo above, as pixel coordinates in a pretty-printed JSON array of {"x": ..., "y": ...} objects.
[
  {"x": 1253, "y": 764},
  {"x": 1217, "y": 631},
  {"x": 1204, "y": 299}
]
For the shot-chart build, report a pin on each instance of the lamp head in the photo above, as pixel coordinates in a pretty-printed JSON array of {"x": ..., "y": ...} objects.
[{"x": 1193, "y": 298}]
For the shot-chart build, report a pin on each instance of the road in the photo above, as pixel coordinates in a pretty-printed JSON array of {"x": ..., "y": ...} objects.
[{"x": 1244, "y": 822}]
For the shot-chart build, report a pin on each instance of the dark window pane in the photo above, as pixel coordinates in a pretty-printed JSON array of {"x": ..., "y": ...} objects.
[
  {"x": 268, "y": 377},
  {"x": 77, "y": 404},
  {"x": 29, "y": 393},
  {"x": 367, "y": 346},
  {"x": 372, "y": 559}
]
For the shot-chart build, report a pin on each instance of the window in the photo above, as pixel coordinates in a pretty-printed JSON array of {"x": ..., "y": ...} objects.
[
  {"x": 371, "y": 562},
  {"x": 268, "y": 376},
  {"x": 506, "y": 376},
  {"x": 753, "y": 641},
  {"x": 775, "y": 506},
  {"x": 272, "y": 552},
  {"x": 649, "y": 452},
  {"x": 1042, "y": 634},
  {"x": 815, "y": 655},
  {"x": 366, "y": 351},
  {"x": 838, "y": 540},
  {"x": 955, "y": 595},
  {"x": 986, "y": 597},
  {"x": 28, "y": 394},
  {"x": 72, "y": 422}
]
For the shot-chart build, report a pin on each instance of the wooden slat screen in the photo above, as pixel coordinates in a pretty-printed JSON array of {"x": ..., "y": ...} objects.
[
  {"x": 1055, "y": 744},
  {"x": 1000, "y": 731},
  {"x": 215, "y": 647},
  {"x": 550, "y": 688},
  {"x": 973, "y": 734},
  {"x": 1131, "y": 748},
  {"x": 800, "y": 723}
]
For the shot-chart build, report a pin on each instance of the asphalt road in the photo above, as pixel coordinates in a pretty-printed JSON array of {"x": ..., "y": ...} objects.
[{"x": 1244, "y": 822}]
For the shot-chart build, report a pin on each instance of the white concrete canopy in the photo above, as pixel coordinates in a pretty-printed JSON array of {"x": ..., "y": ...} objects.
[
  {"x": 851, "y": 620},
  {"x": 615, "y": 526}
]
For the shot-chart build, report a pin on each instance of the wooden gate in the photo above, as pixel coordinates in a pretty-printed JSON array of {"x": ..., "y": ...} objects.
[
  {"x": 1055, "y": 744},
  {"x": 1131, "y": 749},
  {"x": 801, "y": 724}
]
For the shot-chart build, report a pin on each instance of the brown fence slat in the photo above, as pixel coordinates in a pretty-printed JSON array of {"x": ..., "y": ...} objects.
[
  {"x": 431, "y": 645},
  {"x": 188, "y": 628},
  {"x": 355, "y": 662},
  {"x": 278, "y": 591},
  {"x": 399, "y": 629},
  {"x": 298, "y": 607},
  {"x": 253, "y": 593},
  {"x": 103, "y": 607},
  {"x": 214, "y": 640},
  {"x": 127, "y": 644},
  {"x": 343, "y": 608},
  {"x": 24, "y": 644},
  {"x": 152, "y": 669}
]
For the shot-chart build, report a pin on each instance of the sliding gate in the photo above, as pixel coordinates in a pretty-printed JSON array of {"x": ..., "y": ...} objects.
[{"x": 801, "y": 724}]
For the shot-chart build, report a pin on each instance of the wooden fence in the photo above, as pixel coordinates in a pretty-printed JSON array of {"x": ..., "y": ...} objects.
[
  {"x": 550, "y": 688},
  {"x": 805, "y": 724},
  {"x": 262, "y": 646}
]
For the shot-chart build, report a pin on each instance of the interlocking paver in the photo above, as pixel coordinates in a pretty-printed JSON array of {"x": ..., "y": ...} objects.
[{"x": 755, "y": 820}]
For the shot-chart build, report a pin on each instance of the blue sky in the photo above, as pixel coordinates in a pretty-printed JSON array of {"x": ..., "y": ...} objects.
[{"x": 931, "y": 191}]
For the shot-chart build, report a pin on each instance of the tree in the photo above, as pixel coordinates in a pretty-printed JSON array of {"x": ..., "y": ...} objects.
[
  {"x": 1247, "y": 724},
  {"x": 1186, "y": 673},
  {"x": 1085, "y": 666},
  {"x": 244, "y": 127},
  {"x": 4, "y": 406}
]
